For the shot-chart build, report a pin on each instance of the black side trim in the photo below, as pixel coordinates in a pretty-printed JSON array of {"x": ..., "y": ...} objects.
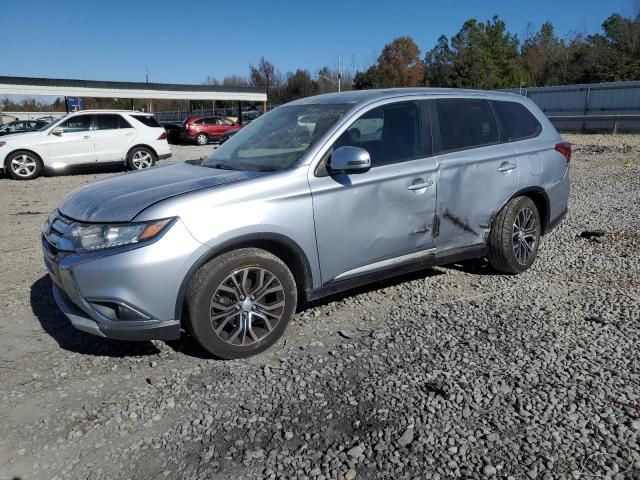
[
  {"x": 164, "y": 156},
  {"x": 338, "y": 286},
  {"x": 450, "y": 256},
  {"x": 460, "y": 254},
  {"x": 303, "y": 277}
]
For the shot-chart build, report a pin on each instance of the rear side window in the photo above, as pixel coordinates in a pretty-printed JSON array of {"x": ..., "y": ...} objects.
[
  {"x": 516, "y": 121},
  {"x": 390, "y": 133},
  {"x": 111, "y": 122},
  {"x": 148, "y": 120},
  {"x": 465, "y": 123}
]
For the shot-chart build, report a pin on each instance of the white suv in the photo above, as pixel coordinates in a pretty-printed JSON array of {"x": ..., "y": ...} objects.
[{"x": 86, "y": 137}]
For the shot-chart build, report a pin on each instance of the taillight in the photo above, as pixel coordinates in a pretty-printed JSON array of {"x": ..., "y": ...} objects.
[
  {"x": 163, "y": 136},
  {"x": 565, "y": 149}
]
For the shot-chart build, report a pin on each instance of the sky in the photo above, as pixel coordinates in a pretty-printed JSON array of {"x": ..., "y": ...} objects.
[{"x": 184, "y": 42}]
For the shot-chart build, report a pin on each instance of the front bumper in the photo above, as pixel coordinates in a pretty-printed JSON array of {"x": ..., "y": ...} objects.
[
  {"x": 128, "y": 293},
  {"x": 118, "y": 330}
]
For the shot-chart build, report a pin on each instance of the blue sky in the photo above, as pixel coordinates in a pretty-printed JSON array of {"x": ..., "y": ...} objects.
[{"x": 184, "y": 42}]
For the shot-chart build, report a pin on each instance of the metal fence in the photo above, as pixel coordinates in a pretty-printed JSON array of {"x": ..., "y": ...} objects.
[{"x": 613, "y": 107}]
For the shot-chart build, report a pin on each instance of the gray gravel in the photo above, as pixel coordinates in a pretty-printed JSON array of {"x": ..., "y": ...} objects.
[{"x": 451, "y": 372}]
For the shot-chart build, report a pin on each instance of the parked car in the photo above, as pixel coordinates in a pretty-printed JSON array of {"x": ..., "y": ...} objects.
[
  {"x": 203, "y": 130},
  {"x": 173, "y": 131},
  {"x": 282, "y": 214},
  {"x": 21, "y": 126},
  {"x": 87, "y": 137}
]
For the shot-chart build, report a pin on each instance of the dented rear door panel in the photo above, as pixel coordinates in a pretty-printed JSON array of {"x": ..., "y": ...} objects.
[{"x": 472, "y": 185}]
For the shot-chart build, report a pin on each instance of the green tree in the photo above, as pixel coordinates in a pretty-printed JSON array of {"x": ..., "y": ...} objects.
[
  {"x": 486, "y": 55},
  {"x": 439, "y": 64}
]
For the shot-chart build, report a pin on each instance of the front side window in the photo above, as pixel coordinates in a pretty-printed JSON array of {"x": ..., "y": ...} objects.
[
  {"x": 390, "y": 133},
  {"x": 516, "y": 121},
  {"x": 226, "y": 122},
  {"x": 276, "y": 140},
  {"x": 81, "y": 123},
  {"x": 465, "y": 123}
]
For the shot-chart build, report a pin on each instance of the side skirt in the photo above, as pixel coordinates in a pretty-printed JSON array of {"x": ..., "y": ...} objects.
[{"x": 447, "y": 257}]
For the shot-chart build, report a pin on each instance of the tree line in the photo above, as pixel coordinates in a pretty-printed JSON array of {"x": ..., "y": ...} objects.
[{"x": 481, "y": 55}]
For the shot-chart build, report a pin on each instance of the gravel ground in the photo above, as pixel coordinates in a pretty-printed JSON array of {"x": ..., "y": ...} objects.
[{"x": 452, "y": 372}]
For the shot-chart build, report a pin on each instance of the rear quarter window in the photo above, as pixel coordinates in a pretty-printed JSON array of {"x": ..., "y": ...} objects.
[
  {"x": 516, "y": 121},
  {"x": 148, "y": 120}
]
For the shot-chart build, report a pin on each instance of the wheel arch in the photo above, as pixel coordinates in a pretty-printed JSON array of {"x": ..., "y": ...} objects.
[
  {"x": 539, "y": 196},
  {"x": 279, "y": 245},
  {"x": 143, "y": 145},
  {"x": 5, "y": 161}
]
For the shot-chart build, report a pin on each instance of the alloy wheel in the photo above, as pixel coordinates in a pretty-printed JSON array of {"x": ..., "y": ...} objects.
[
  {"x": 247, "y": 306},
  {"x": 524, "y": 235},
  {"x": 24, "y": 165},
  {"x": 141, "y": 160},
  {"x": 202, "y": 139}
]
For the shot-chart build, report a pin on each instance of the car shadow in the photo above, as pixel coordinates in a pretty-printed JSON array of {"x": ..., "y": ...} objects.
[
  {"x": 475, "y": 266},
  {"x": 86, "y": 169},
  {"x": 68, "y": 338}
]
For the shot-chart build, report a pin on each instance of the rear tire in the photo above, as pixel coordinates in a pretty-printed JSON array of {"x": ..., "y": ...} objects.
[
  {"x": 24, "y": 165},
  {"x": 240, "y": 303},
  {"x": 140, "y": 158},
  {"x": 202, "y": 139},
  {"x": 515, "y": 236}
]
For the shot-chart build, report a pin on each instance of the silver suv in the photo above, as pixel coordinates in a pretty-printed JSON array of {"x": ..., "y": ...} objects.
[{"x": 317, "y": 196}]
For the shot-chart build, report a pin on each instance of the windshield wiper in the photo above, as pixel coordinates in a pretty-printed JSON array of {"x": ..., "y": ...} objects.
[{"x": 222, "y": 166}]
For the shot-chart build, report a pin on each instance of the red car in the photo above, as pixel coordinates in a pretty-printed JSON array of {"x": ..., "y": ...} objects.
[{"x": 203, "y": 130}]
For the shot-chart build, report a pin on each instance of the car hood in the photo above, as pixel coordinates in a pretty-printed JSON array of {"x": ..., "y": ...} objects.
[
  {"x": 20, "y": 138},
  {"x": 121, "y": 198}
]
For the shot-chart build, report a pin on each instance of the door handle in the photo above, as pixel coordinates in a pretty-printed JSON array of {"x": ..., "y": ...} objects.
[
  {"x": 87, "y": 137},
  {"x": 420, "y": 186},
  {"x": 506, "y": 167}
]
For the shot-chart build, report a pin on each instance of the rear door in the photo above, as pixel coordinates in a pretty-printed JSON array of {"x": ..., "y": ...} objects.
[
  {"x": 368, "y": 222},
  {"x": 113, "y": 135},
  {"x": 75, "y": 144},
  {"x": 478, "y": 173}
]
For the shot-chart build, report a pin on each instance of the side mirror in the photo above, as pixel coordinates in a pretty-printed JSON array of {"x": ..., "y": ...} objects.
[
  {"x": 57, "y": 131},
  {"x": 349, "y": 160}
]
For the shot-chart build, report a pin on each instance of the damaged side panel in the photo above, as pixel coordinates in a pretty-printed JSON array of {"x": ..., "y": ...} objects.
[{"x": 472, "y": 185}]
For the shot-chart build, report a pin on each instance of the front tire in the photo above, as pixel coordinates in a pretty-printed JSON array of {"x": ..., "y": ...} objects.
[
  {"x": 240, "y": 303},
  {"x": 24, "y": 165},
  {"x": 140, "y": 158},
  {"x": 515, "y": 236}
]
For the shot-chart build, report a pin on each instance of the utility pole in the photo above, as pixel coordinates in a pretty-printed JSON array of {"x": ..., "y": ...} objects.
[{"x": 339, "y": 74}]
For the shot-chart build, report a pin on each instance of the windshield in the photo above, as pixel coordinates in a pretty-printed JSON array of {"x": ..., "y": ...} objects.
[
  {"x": 276, "y": 140},
  {"x": 49, "y": 124}
]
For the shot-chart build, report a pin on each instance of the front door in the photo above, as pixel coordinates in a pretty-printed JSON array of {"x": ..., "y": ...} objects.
[
  {"x": 366, "y": 223},
  {"x": 75, "y": 144}
]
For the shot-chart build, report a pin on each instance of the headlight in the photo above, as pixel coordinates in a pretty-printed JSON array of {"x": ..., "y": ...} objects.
[{"x": 90, "y": 237}]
